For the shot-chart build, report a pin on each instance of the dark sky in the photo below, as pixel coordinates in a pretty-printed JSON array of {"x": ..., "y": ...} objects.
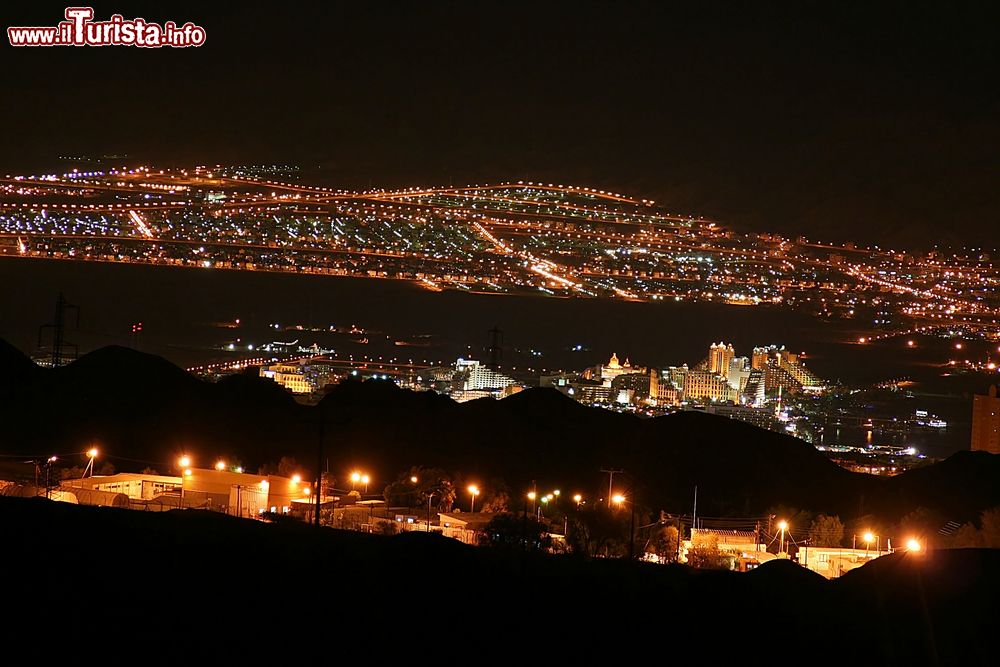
[{"x": 831, "y": 119}]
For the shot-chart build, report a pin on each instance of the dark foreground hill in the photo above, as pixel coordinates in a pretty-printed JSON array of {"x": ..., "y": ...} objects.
[
  {"x": 182, "y": 586},
  {"x": 142, "y": 411}
]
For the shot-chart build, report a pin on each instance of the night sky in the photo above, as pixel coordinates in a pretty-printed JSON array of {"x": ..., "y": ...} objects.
[{"x": 836, "y": 120}]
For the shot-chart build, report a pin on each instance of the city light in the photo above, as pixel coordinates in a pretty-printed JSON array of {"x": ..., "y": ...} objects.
[
  {"x": 187, "y": 472},
  {"x": 473, "y": 491},
  {"x": 184, "y": 461},
  {"x": 413, "y": 479},
  {"x": 532, "y": 495},
  {"x": 578, "y": 499},
  {"x": 618, "y": 499},
  {"x": 462, "y": 238},
  {"x": 92, "y": 452},
  {"x": 869, "y": 537},
  {"x": 220, "y": 465},
  {"x": 913, "y": 544},
  {"x": 296, "y": 478}
]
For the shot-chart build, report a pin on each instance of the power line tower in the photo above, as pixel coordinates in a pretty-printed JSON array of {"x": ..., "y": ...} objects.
[
  {"x": 494, "y": 353},
  {"x": 58, "y": 327}
]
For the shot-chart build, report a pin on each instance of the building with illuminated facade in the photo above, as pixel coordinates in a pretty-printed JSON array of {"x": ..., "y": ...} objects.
[
  {"x": 236, "y": 493},
  {"x": 720, "y": 356}
]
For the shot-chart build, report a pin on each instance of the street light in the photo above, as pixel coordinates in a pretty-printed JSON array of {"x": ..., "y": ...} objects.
[
  {"x": 619, "y": 500},
  {"x": 220, "y": 465},
  {"x": 782, "y": 526},
  {"x": 578, "y": 499},
  {"x": 364, "y": 480},
  {"x": 868, "y": 537},
  {"x": 355, "y": 478},
  {"x": 92, "y": 453},
  {"x": 413, "y": 479},
  {"x": 184, "y": 461},
  {"x": 913, "y": 544},
  {"x": 474, "y": 491},
  {"x": 48, "y": 466}
]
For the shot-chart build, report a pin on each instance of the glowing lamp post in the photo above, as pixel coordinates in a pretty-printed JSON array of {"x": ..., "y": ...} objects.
[
  {"x": 91, "y": 454},
  {"x": 782, "y": 526},
  {"x": 473, "y": 491}
]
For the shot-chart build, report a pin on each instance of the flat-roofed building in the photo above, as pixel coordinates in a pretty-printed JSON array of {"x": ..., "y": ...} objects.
[{"x": 134, "y": 485}]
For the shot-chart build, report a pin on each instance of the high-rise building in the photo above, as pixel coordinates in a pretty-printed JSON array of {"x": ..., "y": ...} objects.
[
  {"x": 719, "y": 357},
  {"x": 477, "y": 377},
  {"x": 784, "y": 369},
  {"x": 986, "y": 422}
]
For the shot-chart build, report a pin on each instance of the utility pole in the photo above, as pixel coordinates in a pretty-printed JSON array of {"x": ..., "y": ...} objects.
[
  {"x": 136, "y": 330},
  {"x": 319, "y": 469},
  {"x": 611, "y": 480},
  {"x": 58, "y": 327},
  {"x": 631, "y": 531},
  {"x": 694, "y": 515}
]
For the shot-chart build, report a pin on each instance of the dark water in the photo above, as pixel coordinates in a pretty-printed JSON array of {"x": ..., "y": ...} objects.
[{"x": 184, "y": 313}]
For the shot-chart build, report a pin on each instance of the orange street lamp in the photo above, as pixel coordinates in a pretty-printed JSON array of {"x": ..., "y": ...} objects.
[
  {"x": 184, "y": 461},
  {"x": 92, "y": 454},
  {"x": 296, "y": 479},
  {"x": 473, "y": 491},
  {"x": 364, "y": 480},
  {"x": 618, "y": 499},
  {"x": 413, "y": 479},
  {"x": 220, "y": 465},
  {"x": 578, "y": 499},
  {"x": 355, "y": 478},
  {"x": 913, "y": 544},
  {"x": 782, "y": 526}
]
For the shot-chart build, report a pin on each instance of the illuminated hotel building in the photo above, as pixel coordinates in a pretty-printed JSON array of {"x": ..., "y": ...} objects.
[
  {"x": 706, "y": 385},
  {"x": 986, "y": 422},
  {"x": 719, "y": 357}
]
